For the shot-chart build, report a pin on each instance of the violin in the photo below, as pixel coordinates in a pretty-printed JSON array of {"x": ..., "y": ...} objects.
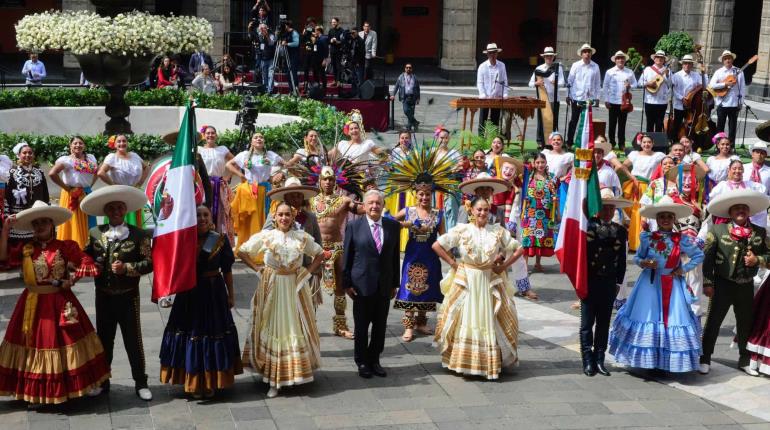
[{"x": 625, "y": 104}]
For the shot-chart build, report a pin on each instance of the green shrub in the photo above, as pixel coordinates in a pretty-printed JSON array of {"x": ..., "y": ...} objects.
[
  {"x": 676, "y": 44},
  {"x": 283, "y": 139}
]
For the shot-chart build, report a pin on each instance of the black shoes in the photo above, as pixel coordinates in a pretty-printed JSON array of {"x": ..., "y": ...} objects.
[
  {"x": 600, "y": 364},
  {"x": 364, "y": 371},
  {"x": 378, "y": 370},
  {"x": 589, "y": 364}
]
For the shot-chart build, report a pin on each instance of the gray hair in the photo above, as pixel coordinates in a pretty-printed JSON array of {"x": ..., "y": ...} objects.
[
  {"x": 262, "y": 25},
  {"x": 374, "y": 192}
]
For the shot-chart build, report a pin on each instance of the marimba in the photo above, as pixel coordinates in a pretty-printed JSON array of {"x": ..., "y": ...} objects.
[{"x": 523, "y": 107}]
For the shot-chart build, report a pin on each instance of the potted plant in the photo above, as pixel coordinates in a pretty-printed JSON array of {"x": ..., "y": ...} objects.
[{"x": 114, "y": 52}]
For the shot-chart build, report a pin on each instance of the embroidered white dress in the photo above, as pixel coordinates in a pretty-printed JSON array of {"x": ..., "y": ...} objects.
[
  {"x": 283, "y": 346},
  {"x": 478, "y": 327}
]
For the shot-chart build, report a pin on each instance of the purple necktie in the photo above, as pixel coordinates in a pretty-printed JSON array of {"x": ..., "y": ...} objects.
[{"x": 376, "y": 234}]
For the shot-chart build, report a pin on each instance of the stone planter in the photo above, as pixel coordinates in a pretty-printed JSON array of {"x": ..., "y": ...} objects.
[{"x": 115, "y": 73}]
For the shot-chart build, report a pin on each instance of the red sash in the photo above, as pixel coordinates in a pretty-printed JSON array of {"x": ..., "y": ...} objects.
[{"x": 667, "y": 281}]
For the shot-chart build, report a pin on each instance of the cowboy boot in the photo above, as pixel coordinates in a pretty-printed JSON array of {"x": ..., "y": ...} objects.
[
  {"x": 600, "y": 364},
  {"x": 589, "y": 363}
]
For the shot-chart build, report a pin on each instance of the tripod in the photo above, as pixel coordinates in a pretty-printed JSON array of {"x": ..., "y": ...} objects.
[{"x": 282, "y": 53}]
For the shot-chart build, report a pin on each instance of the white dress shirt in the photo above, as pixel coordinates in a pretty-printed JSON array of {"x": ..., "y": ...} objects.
[
  {"x": 649, "y": 75},
  {"x": 371, "y": 229},
  {"x": 609, "y": 178},
  {"x": 764, "y": 174},
  {"x": 585, "y": 81},
  {"x": 492, "y": 81},
  {"x": 734, "y": 97},
  {"x": 615, "y": 84},
  {"x": 683, "y": 84},
  {"x": 548, "y": 82}
]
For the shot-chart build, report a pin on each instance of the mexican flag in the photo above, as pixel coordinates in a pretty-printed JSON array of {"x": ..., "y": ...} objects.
[
  {"x": 173, "y": 251},
  {"x": 583, "y": 201}
]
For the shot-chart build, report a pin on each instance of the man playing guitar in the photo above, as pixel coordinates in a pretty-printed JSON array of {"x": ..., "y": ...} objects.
[
  {"x": 656, "y": 96},
  {"x": 728, "y": 105}
]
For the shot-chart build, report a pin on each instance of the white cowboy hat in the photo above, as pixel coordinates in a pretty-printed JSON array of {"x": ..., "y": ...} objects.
[
  {"x": 608, "y": 198},
  {"x": 292, "y": 185},
  {"x": 659, "y": 53},
  {"x": 492, "y": 47},
  {"x": 484, "y": 180},
  {"x": 673, "y": 173},
  {"x": 40, "y": 210},
  {"x": 619, "y": 54},
  {"x": 605, "y": 146},
  {"x": 518, "y": 164},
  {"x": 132, "y": 197},
  {"x": 687, "y": 58},
  {"x": 586, "y": 47},
  {"x": 666, "y": 204},
  {"x": 721, "y": 204},
  {"x": 274, "y": 170},
  {"x": 727, "y": 53},
  {"x": 548, "y": 51},
  {"x": 759, "y": 146}
]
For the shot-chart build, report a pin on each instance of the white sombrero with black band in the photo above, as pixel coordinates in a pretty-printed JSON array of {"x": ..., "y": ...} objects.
[
  {"x": 132, "y": 197},
  {"x": 41, "y": 210},
  {"x": 755, "y": 200},
  {"x": 608, "y": 198},
  {"x": 293, "y": 185},
  {"x": 484, "y": 180},
  {"x": 666, "y": 204}
]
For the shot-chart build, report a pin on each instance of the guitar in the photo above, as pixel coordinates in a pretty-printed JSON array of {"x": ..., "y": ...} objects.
[
  {"x": 660, "y": 78},
  {"x": 731, "y": 80}
]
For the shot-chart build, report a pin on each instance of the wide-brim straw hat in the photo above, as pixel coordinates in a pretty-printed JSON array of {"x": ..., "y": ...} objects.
[
  {"x": 518, "y": 164},
  {"x": 586, "y": 47},
  {"x": 763, "y": 131},
  {"x": 608, "y": 198},
  {"x": 292, "y": 185},
  {"x": 548, "y": 51},
  {"x": 687, "y": 58},
  {"x": 604, "y": 146},
  {"x": 659, "y": 53},
  {"x": 484, "y": 180},
  {"x": 41, "y": 210},
  {"x": 755, "y": 200},
  {"x": 132, "y": 197},
  {"x": 492, "y": 47},
  {"x": 619, "y": 54},
  {"x": 759, "y": 146},
  {"x": 727, "y": 53},
  {"x": 666, "y": 204},
  {"x": 673, "y": 173},
  {"x": 170, "y": 137}
]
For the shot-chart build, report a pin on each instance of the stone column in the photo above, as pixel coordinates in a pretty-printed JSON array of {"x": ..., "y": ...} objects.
[
  {"x": 709, "y": 22},
  {"x": 217, "y": 12},
  {"x": 345, "y": 10},
  {"x": 760, "y": 84},
  {"x": 573, "y": 28},
  {"x": 458, "y": 42}
]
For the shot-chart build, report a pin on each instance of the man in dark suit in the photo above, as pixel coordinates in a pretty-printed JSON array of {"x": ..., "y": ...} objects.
[{"x": 371, "y": 277}]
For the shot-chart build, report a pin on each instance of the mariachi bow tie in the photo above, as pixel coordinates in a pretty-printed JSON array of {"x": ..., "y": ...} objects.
[{"x": 740, "y": 233}]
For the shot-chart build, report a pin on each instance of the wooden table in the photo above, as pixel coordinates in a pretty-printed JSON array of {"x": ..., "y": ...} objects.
[{"x": 523, "y": 107}]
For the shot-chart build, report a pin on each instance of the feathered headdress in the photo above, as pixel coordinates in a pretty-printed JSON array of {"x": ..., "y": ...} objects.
[
  {"x": 350, "y": 176},
  {"x": 422, "y": 167},
  {"x": 354, "y": 116}
]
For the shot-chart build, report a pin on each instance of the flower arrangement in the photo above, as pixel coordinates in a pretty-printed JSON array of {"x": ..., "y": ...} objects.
[{"x": 135, "y": 33}]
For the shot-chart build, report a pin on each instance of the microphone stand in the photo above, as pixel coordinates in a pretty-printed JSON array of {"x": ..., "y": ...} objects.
[
  {"x": 745, "y": 120},
  {"x": 566, "y": 114}
]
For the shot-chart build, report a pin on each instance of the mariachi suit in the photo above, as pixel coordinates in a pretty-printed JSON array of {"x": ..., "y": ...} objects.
[
  {"x": 374, "y": 276},
  {"x": 606, "y": 270},
  {"x": 733, "y": 282},
  {"x": 117, "y": 296}
]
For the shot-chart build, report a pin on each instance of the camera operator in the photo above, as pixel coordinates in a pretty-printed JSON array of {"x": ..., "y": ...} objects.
[
  {"x": 264, "y": 52},
  {"x": 289, "y": 38},
  {"x": 336, "y": 36},
  {"x": 259, "y": 14}
]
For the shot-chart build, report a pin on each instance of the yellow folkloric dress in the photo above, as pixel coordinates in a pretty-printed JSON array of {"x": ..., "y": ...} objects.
[
  {"x": 283, "y": 344},
  {"x": 478, "y": 326}
]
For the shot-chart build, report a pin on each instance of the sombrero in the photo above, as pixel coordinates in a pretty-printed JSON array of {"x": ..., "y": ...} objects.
[
  {"x": 170, "y": 138},
  {"x": 292, "y": 185},
  {"x": 763, "y": 131},
  {"x": 666, "y": 204},
  {"x": 608, "y": 198},
  {"x": 673, "y": 173},
  {"x": 40, "y": 210},
  {"x": 756, "y": 201},
  {"x": 133, "y": 198},
  {"x": 605, "y": 146},
  {"x": 505, "y": 158},
  {"x": 484, "y": 180}
]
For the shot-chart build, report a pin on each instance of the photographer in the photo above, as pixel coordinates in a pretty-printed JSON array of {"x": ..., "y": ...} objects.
[
  {"x": 259, "y": 14},
  {"x": 318, "y": 57},
  {"x": 264, "y": 53},
  {"x": 336, "y": 36},
  {"x": 289, "y": 38}
]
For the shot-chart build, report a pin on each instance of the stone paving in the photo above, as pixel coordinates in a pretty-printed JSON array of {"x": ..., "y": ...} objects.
[{"x": 547, "y": 390}]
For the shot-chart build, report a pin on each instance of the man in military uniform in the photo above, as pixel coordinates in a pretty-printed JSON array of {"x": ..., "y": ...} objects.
[
  {"x": 123, "y": 254},
  {"x": 606, "y": 241},
  {"x": 734, "y": 251}
]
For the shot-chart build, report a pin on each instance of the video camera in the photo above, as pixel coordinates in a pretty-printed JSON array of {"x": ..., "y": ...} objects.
[{"x": 247, "y": 115}]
